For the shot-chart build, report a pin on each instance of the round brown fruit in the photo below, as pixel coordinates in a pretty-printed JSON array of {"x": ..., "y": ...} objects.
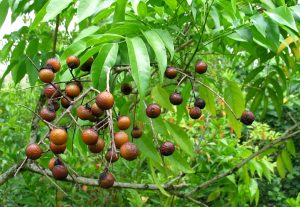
[
  {"x": 51, "y": 91},
  {"x": 51, "y": 163},
  {"x": 120, "y": 138},
  {"x": 106, "y": 180},
  {"x": 87, "y": 65},
  {"x": 57, "y": 149},
  {"x": 96, "y": 111},
  {"x": 111, "y": 155},
  {"x": 201, "y": 67},
  {"x": 53, "y": 104},
  {"x": 98, "y": 147},
  {"x": 73, "y": 62},
  {"x": 46, "y": 75},
  {"x": 72, "y": 90},
  {"x": 60, "y": 172},
  {"x": 167, "y": 148},
  {"x": 66, "y": 101},
  {"x": 171, "y": 72},
  {"x": 47, "y": 114},
  {"x": 58, "y": 136},
  {"x": 123, "y": 122},
  {"x": 54, "y": 64},
  {"x": 136, "y": 132},
  {"x": 33, "y": 151},
  {"x": 89, "y": 136},
  {"x": 200, "y": 103},
  {"x": 153, "y": 110},
  {"x": 247, "y": 118},
  {"x": 129, "y": 151},
  {"x": 105, "y": 100},
  {"x": 195, "y": 112},
  {"x": 83, "y": 112},
  {"x": 126, "y": 88},
  {"x": 175, "y": 98}
]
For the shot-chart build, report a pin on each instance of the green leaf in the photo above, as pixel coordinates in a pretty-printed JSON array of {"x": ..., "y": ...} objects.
[
  {"x": 39, "y": 16},
  {"x": 181, "y": 109},
  {"x": 287, "y": 160},
  {"x": 209, "y": 98},
  {"x": 155, "y": 179},
  {"x": 103, "y": 14},
  {"x": 86, "y": 8},
  {"x": 74, "y": 49},
  {"x": 54, "y": 8},
  {"x": 253, "y": 188},
  {"x": 275, "y": 101},
  {"x": 140, "y": 64},
  {"x": 142, "y": 9},
  {"x": 171, "y": 3},
  {"x": 105, "y": 60},
  {"x": 19, "y": 70},
  {"x": 168, "y": 40},
  {"x": 86, "y": 32},
  {"x": 7, "y": 71},
  {"x": 32, "y": 47},
  {"x": 3, "y": 11},
  {"x": 31, "y": 72},
  {"x": 102, "y": 38},
  {"x": 89, "y": 53},
  {"x": 253, "y": 74},
  {"x": 280, "y": 166},
  {"x": 119, "y": 15},
  {"x": 178, "y": 163},
  {"x": 260, "y": 23},
  {"x": 213, "y": 195},
  {"x": 291, "y": 147},
  {"x": 160, "y": 51},
  {"x": 161, "y": 97}
]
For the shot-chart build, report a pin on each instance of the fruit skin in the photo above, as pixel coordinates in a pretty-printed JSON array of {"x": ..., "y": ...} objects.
[
  {"x": 126, "y": 88},
  {"x": 200, "y": 103},
  {"x": 136, "y": 132},
  {"x": 171, "y": 72},
  {"x": 89, "y": 136},
  {"x": 58, "y": 149},
  {"x": 175, "y": 98},
  {"x": 73, "y": 62},
  {"x": 120, "y": 138},
  {"x": 195, "y": 112},
  {"x": 106, "y": 180},
  {"x": 98, "y": 147},
  {"x": 153, "y": 110},
  {"x": 129, "y": 151},
  {"x": 60, "y": 172},
  {"x": 72, "y": 90},
  {"x": 53, "y": 104},
  {"x": 52, "y": 92},
  {"x": 51, "y": 163},
  {"x": 96, "y": 111},
  {"x": 247, "y": 118},
  {"x": 47, "y": 114},
  {"x": 105, "y": 100},
  {"x": 111, "y": 155},
  {"x": 54, "y": 64},
  {"x": 58, "y": 136},
  {"x": 167, "y": 148},
  {"x": 87, "y": 65},
  {"x": 46, "y": 75},
  {"x": 83, "y": 112},
  {"x": 66, "y": 101},
  {"x": 33, "y": 151},
  {"x": 201, "y": 67},
  {"x": 123, "y": 122}
]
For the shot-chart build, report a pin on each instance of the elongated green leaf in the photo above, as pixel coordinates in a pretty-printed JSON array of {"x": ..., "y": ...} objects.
[
  {"x": 253, "y": 188},
  {"x": 5, "y": 50},
  {"x": 89, "y": 53},
  {"x": 102, "y": 38},
  {"x": 86, "y": 32},
  {"x": 160, "y": 127},
  {"x": 140, "y": 63},
  {"x": 209, "y": 99},
  {"x": 105, "y": 61},
  {"x": 167, "y": 39},
  {"x": 3, "y": 11},
  {"x": 161, "y": 97},
  {"x": 7, "y": 71},
  {"x": 155, "y": 179},
  {"x": 39, "y": 16},
  {"x": 32, "y": 47},
  {"x": 54, "y": 8},
  {"x": 178, "y": 163},
  {"x": 287, "y": 160},
  {"x": 19, "y": 70},
  {"x": 213, "y": 195},
  {"x": 290, "y": 146},
  {"x": 103, "y": 14},
  {"x": 275, "y": 101},
  {"x": 86, "y": 8},
  {"x": 31, "y": 72},
  {"x": 181, "y": 109},
  {"x": 160, "y": 51},
  {"x": 280, "y": 166},
  {"x": 119, "y": 15},
  {"x": 260, "y": 23},
  {"x": 253, "y": 74}
]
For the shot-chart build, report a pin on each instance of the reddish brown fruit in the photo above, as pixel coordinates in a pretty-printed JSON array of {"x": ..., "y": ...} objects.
[
  {"x": 98, "y": 147},
  {"x": 167, "y": 148},
  {"x": 111, "y": 156},
  {"x": 89, "y": 136},
  {"x": 54, "y": 64},
  {"x": 105, "y": 100},
  {"x": 33, "y": 151},
  {"x": 51, "y": 163},
  {"x": 53, "y": 104},
  {"x": 58, "y": 136},
  {"x": 96, "y": 111},
  {"x": 51, "y": 91},
  {"x": 126, "y": 88},
  {"x": 195, "y": 112},
  {"x": 136, "y": 132},
  {"x": 60, "y": 172},
  {"x": 66, "y": 101},
  {"x": 200, "y": 103},
  {"x": 153, "y": 110},
  {"x": 46, "y": 75},
  {"x": 129, "y": 151},
  {"x": 47, "y": 114},
  {"x": 87, "y": 65},
  {"x": 120, "y": 138},
  {"x": 72, "y": 90},
  {"x": 123, "y": 122},
  {"x": 171, "y": 72},
  {"x": 83, "y": 112},
  {"x": 57, "y": 149},
  {"x": 175, "y": 98},
  {"x": 106, "y": 180},
  {"x": 201, "y": 67},
  {"x": 73, "y": 62},
  {"x": 247, "y": 118}
]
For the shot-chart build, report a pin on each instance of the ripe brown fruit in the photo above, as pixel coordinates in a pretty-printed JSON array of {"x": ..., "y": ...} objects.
[
  {"x": 123, "y": 122},
  {"x": 201, "y": 67},
  {"x": 83, "y": 112},
  {"x": 247, "y": 118},
  {"x": 105, "y": 100},
  {"x": 58, "y": 149},
  {"x": 46, "y": 75},
  {"x": 33, "y": 151},
  {"x": 195, "y": 112},
  {"x": 98, "y": 147},
  {"x": 51, "y": 91},
  {"x": 58, "y": 136},
  {"x": 167, "y": 148},
  {"x": 51, "y": 163},
  {"x": 89, "y": 136},
  {"x": 54, "y": 64},
  {"x": 106, "y": 180},
  {"x": 175, "y": 98},
  {"x": 200, "y": 103},
  {"x": 60, "y": 172},
  {"x": 111, "y": 155},
  {"x": 47, "y": 114},
  {"x": 171, "y": 72},
  {"x": 153, "y": 110},
  {"x": 136, "y": 132},
  {"x": 53, "y": 104},
  {"x": 120, "y": 138},
  {"x": 87, "y": 65},
  {"x": 126, "y": 88},
  {"x": 66, "y": 101},
  {"x": 96, "y": 111},
  {"x": 73, "y": 62},
  {"x": 129, "y": 151},
  {"x": 72, "y": 90}
]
